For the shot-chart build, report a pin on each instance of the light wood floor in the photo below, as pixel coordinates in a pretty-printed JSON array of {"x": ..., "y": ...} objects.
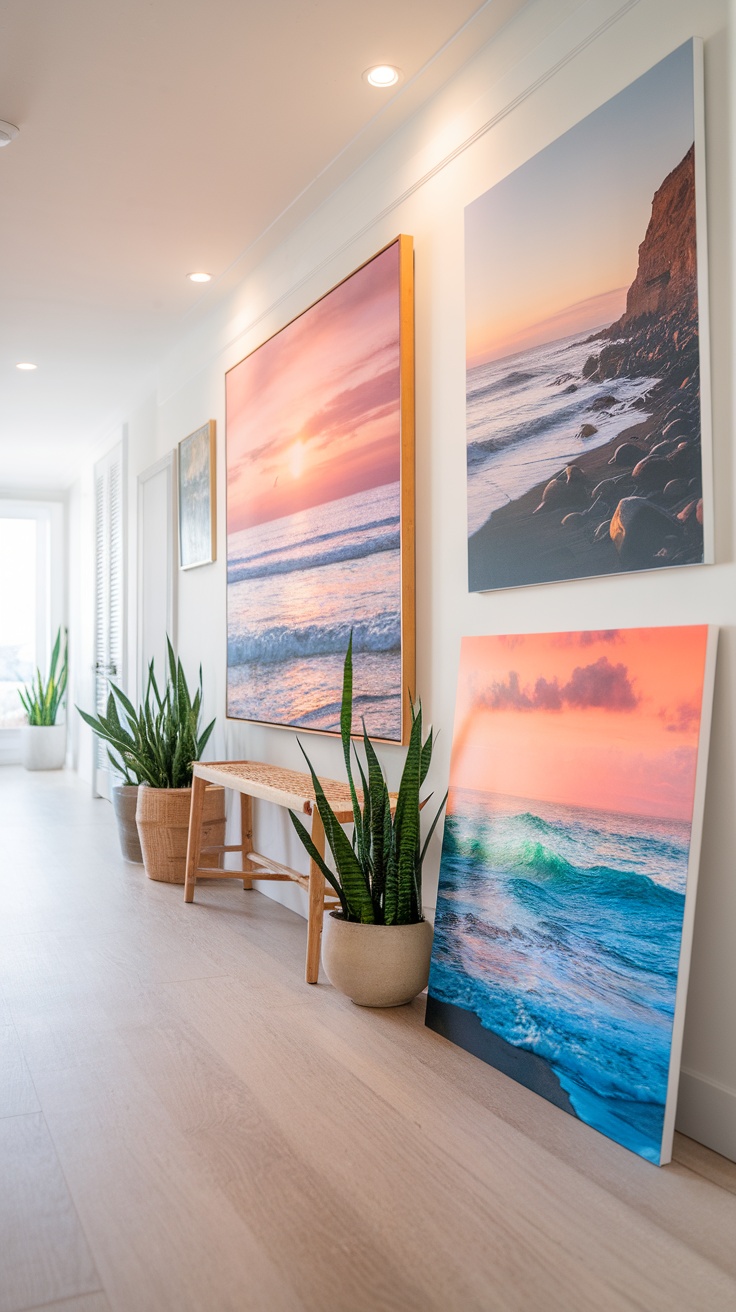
[{"x": 184, "y": 1124}]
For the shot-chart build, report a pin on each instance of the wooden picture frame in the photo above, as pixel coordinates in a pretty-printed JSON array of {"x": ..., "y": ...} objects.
[
  {"x": 319, "y": 445},
  {"x": 197, "y": 505}
]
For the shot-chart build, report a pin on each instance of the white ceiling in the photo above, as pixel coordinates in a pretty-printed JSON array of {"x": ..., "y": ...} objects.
[{"x": 163, "y": 136}]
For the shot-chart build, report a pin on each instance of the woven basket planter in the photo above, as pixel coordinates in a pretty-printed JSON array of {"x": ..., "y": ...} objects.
[{"x": 162, "y": 816}]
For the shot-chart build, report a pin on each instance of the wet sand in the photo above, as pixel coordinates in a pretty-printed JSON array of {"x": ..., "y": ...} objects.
[
  {"x": 463, "y": 1028},
  {"x": 517, "y": 548}
]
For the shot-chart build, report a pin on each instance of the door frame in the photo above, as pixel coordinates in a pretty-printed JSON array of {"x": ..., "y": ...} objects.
[
  {"x": 102, "y": 776},
  {"x": 167, "y": 466}
]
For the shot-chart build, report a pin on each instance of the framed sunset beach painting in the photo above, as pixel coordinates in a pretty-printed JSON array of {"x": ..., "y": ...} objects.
[
  {"x": 197, "y": 500},
  {"x": 569, "y": 867},
  {"x": 588, "y": 380},
  {"x": 320, "y": 509}
]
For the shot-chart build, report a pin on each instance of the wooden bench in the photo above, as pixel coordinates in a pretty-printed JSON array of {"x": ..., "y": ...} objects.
[{"x": 287, "y": 788}]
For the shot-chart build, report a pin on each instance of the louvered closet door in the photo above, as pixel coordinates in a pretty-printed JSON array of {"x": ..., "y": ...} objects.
[{"x": 109, "y": 596}]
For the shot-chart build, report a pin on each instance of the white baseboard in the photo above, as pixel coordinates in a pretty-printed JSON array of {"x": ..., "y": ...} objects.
[
  {"x": 706, "y": 1111},
  {"x": 9, "y": 746}
]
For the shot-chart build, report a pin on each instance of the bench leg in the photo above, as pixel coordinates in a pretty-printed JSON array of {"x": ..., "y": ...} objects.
[
  {"x": 194, "y": 841},
  {"x": 246, "y": 830},
  {"x": 316, "y": 902}
]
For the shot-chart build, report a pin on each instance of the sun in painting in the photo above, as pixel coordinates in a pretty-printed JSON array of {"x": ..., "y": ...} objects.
[{"x": 296, "y": 459}]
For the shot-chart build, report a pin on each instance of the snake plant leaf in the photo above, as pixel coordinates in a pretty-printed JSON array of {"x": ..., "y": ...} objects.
[
  {"x": 379, "y": 800},
  {"x": 113, "y": 718},
  {"x": 125, "y": 702},
  {"x": 406, "y": 828},
  {"x": 353, "y": 877},
  {"x": 366, "y": 813},
  {"x": 172, "y": 662},
  {"x": 182, "y": 694},
  {"x": 159, "y": 740},
  {"x": 379, "y": 872},
  {"x": 119, "y": 767},
  {"x": 154, "y": 685},
  {"x": 317, "y": 857},
  {"x": 55, "y": 656},
  {"x": 346, "y": 722},
  {"x": 391, "y": 893},
  {"x": 426, "y": 759},
  {"x": 432, "y": 827},
  {"x": 365, "y": 852},
  {"x": 203, "y": 741}
]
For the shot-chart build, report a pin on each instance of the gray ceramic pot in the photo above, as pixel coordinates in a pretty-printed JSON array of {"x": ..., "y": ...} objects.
[
  {"x": 124, "y": 801},
  {"x": 376, "y": 965}
]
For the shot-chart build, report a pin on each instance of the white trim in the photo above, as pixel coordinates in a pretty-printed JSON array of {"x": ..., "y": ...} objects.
[
  {"x": 10, "y": 746},
  {"x": 103, "y": 472},
  {"x": 691, "y": 888},
  {"x": 701, "y": 248},
  {"x": 166, "y": 465},
  {"x": 706, "y": 1111}
]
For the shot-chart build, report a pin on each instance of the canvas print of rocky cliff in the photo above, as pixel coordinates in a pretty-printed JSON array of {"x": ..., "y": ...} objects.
[
  {"x": 569, "y": 863},
  {"x": 319, "y": 490},
  {"x": 587, "y": 400}
]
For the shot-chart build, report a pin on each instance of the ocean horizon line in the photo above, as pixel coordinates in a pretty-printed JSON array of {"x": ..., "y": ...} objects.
[
  {"x": 570, "y": 806},
  {"x": 305, "y": 510},
  {"x": 538, "y": 346}
]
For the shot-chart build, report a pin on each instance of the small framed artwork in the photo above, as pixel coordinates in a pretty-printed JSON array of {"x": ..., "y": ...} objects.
[
  {"x": 197, "y": 514},
  {"x": 588, "y": 379},
  {"x": 569, "y": 867},
  {"x": 320, "y": 509}
]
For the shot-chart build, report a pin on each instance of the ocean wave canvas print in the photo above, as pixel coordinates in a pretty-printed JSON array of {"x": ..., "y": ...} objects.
[
  {"x": 569, "y": 865},
  {"x": 320, "y": 509},
  {"x": 587, "y": 384}
]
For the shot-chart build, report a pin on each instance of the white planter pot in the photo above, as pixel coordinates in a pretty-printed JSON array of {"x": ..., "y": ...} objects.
[
  {"x": 376, "y": 965},
  {"x": 43, "y": 746}
]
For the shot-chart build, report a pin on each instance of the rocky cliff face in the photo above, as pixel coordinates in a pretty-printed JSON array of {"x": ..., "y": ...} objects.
[{"x": 666, "y": 279}]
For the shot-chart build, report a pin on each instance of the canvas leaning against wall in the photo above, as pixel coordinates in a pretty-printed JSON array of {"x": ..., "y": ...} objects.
[
  {"x": 569, "y": 865},
  {"x": 197, "y": 523},
  {"x": 588, "y": 407},
  {"x": 320, "y": 509}
]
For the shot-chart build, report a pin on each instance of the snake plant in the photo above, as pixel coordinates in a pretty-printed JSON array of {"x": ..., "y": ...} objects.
[
  {"x": 378, "y": 873},
  {"x": 41, "y": 701},
  {"x": 157, "y": 743}
]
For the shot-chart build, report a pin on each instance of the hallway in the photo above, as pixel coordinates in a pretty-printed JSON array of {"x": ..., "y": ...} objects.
[{"x": 185, "y": 1125}]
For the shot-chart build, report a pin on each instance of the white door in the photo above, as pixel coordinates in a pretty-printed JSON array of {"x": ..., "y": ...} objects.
[
  {"x": 109, "y": 599},
  {"x": 157, "y": 567}
]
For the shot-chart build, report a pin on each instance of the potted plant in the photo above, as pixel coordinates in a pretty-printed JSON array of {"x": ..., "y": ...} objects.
[
  {"x": 110, "y": 729},
  {"x": 43, "y": 741},
  {"x": 377, "y": 947},
  {"x": 155, "y": 746}
]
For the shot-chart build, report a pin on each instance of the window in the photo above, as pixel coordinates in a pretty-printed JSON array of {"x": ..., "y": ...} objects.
[
  {"x": 18, "y": 607},
  {"x": 31, "y": 600}
]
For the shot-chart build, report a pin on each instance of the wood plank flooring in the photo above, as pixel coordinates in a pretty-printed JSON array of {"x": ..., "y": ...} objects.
[{"x": 186, "y": 1125}]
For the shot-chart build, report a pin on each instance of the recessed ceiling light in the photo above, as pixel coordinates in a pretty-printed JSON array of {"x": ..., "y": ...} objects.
[
  {"x": 383, "y": 75},
  {"x": 199, "y": 277},
  {"x": 25, "y": 364},
  {"x": 7, "y": 132}
]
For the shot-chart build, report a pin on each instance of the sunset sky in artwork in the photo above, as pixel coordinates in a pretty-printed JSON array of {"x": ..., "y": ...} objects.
[
  {"x": 314, "y": 413},
  {"x": 552, "y": 248},
  {"x": 606, "y": 720}
]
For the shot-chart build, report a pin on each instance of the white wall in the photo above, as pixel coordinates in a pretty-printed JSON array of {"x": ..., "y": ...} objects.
[{"x": 546, "y": 70}]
